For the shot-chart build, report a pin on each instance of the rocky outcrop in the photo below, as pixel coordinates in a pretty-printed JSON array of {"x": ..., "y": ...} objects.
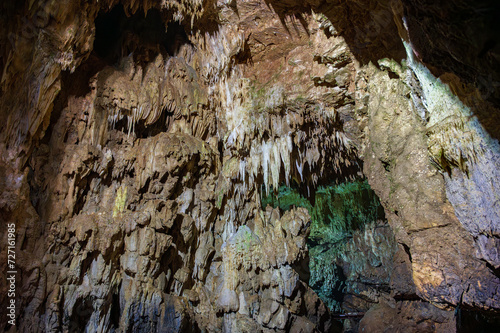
[
  {"x": 143, "y": 212},
  {"x": 137, "y": 140}
]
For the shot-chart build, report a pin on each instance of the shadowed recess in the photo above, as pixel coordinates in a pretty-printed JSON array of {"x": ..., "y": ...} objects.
[
  {"x": 368, "y": 27},
  {"x": 144, "y": 36},
  {"x": 462, "y": 39},
  {"x": 337, "y": 213}
]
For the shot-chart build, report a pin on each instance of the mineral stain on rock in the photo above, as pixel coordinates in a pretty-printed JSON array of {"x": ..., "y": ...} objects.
[{"x": 250, "y": 166}]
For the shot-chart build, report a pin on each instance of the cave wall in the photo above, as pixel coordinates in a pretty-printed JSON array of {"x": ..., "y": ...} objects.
[{"x": 134, "y": 178}]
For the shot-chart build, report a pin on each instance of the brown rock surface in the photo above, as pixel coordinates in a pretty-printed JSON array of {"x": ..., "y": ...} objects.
[{"x": 135, "y": 150}]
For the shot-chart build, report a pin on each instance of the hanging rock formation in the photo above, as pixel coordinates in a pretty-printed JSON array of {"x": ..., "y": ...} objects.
[{"x": 137, "y": 139}]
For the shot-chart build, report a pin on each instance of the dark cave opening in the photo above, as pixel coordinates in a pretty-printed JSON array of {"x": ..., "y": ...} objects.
[
  {"x": 341, "y": 214},
  {"x": 117, "y": 36},
  {"x": 141, "y": 130},
  {"x": 115, "y": 311},
  {"x": 476, "y": 321},
  {"x": 81, "y": 314},
  {"x": 144, "y": 36}
]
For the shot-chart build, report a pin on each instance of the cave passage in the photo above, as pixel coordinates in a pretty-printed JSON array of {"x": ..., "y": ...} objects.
[
  {"x": 338, "y": 213},
  {"x": 144, "y": 36}
]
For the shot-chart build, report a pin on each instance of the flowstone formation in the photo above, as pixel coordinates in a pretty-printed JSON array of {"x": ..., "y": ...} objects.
[{"x": 140, "y": 139}]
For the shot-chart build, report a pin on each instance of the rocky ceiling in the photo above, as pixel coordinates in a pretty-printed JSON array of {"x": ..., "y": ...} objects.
[{"x": 139, "y": 138}]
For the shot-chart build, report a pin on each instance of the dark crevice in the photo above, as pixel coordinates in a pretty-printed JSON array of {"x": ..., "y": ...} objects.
[
  {"x": 171, "y": 261},
  {"x": 144, "y": 36},
  {"x": 245, "y": 55},
  {"x": 82, "y": 311},
  {"x": 73, "y": 85},
  {"x": 393, "y": 75},
  {"x": 407, "y": 250},
  {"x": 386, "y": 165},
  {"x": 494, "y": 270},
  {"x": 115, "y": 311},
  {"x": 92, "y": 256},
  {"x": 117, "y": 35},
  {"x": 476, "y": 321},
  {"x": 140, "y": 130},
  {"x": 176, "y": 36},
  {"x": 83, "y": 186}
]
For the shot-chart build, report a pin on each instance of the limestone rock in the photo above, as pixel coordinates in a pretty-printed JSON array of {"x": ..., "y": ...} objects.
[{"x": 137, "y": 139}]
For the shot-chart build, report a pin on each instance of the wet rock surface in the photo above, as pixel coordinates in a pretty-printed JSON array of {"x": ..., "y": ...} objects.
[{"x": 137, "y": 140}]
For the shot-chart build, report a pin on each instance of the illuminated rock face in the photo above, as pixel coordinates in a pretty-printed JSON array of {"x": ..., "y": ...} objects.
[{"x": 137, "y": 140}]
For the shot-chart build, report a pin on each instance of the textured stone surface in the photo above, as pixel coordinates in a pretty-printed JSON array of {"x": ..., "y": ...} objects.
[
  {"x": 133, "y": 166},
  {"x": 416, "y": 202}
]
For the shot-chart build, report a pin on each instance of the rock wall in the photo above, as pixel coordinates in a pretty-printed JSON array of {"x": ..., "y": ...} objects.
[{"x": 134, "y": 159}]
